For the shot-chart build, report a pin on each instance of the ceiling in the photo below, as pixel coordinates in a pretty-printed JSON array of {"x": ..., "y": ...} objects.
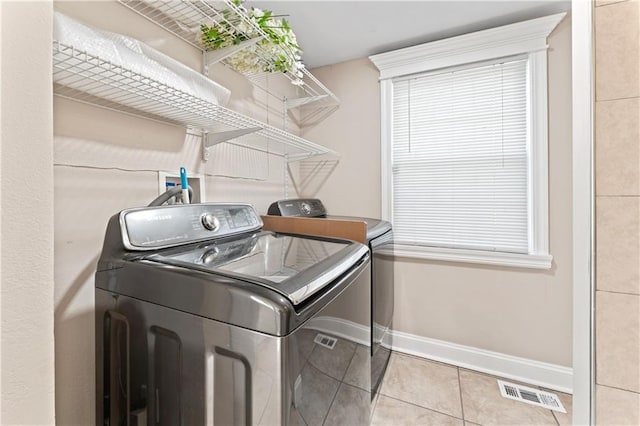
[{"x": 332, "y": 31}]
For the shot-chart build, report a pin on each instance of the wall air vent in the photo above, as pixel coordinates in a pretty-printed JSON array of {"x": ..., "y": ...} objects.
[{"x": 531, "y": 396}]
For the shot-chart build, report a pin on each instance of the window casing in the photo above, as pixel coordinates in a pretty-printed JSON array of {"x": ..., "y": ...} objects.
[{"x": 511, "y": 51}]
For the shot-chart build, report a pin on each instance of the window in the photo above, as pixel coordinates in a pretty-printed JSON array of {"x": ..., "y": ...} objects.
[{"x": 464, "y": 135}]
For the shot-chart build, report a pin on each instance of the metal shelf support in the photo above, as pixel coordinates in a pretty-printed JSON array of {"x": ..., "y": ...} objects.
[
  {"x": 211, "y": 57},
  {"x": 210, "y": 139}
]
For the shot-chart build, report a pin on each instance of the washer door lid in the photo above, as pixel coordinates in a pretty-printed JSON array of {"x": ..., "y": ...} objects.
[{"x": 295, "y": 267}]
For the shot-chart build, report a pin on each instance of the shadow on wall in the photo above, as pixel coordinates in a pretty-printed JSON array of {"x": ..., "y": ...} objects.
[
  {"x": 311, "y": 175},
  {"x": 112, "y": 130},
  {"x": 314, "y": 114},
  {"x": 71, "y": 330}
]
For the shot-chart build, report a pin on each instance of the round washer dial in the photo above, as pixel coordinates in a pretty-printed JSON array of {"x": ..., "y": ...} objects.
[{"x": 210, "y": 222}]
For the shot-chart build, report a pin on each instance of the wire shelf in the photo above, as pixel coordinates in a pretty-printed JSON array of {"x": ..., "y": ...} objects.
[
  {"x": 183, "y": 19},
  {"x": 82, "y": 76}
]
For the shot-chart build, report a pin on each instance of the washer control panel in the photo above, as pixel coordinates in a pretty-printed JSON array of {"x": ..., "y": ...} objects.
[
  {"x": 166, "y": 226},
  {"x": 299, "y": 207}
]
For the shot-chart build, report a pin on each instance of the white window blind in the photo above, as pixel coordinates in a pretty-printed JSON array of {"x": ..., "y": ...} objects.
[{"x": 460, "y": 158}]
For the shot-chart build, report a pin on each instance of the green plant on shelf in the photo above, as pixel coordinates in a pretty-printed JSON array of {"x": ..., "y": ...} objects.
[{"x": 277, "y": 52}]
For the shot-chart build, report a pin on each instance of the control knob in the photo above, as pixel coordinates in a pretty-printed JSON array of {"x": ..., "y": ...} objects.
[
  {"x": 305, "y": 208},
  {"x": 210, "y": 222}
]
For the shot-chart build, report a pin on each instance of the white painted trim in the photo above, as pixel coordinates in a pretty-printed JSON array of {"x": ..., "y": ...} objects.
[
  {"x": 516, "y": 260},
  {"x": 508, "y": 40},
  {"x": 539, "y": 156},
  {"x": 530, "y": 38},
  {"x": 583, "y": 211},
  {"x": 525, "y": 370},
  {"x": 386, "y": 160}
]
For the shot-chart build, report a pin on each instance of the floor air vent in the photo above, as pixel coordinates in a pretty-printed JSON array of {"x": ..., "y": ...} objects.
[
  {"x": 531, "y": 396},
  {"x": 326, "y": 341}
]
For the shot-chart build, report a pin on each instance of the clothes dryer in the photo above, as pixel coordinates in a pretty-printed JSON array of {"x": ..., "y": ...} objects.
[{"x": 379, "y": 238}]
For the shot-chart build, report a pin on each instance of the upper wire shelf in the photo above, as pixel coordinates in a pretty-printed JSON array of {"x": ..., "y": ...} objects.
[
  {"x": 82, "y": 76},
  {"x": 184, "y": 18}
]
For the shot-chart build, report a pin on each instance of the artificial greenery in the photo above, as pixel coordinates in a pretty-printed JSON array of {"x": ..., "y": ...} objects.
[{"x": 278, "y": 50}]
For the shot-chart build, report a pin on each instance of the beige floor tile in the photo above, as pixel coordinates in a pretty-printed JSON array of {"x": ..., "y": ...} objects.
[
  {"x": 606, "y": 2},
  {"x": 391, "y": 412},
  {"x": 484, "y": 405},
  {"x": 618, "y": 340},
  {"x": 425, "y": 383},
  {"x": 567, "y": 401},
  {"x": 617, "y": 407},
  {"x": 617, "y": 50},
  {"x": 618, "y": 147},
  {"x": 618, "y": 249}
]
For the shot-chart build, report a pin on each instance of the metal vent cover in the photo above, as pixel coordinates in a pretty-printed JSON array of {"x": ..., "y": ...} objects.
[{"x": 531, "y": 396}]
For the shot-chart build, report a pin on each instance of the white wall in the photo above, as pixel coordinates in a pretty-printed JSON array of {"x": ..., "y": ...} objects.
[
  {"x": 519, "y": 312},
  {"x": 106, "y": 161},
  {"x": 26, "y": 188}
]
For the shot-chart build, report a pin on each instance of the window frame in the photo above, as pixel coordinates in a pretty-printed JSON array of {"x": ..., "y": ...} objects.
[{"x": 528, "y": 39}]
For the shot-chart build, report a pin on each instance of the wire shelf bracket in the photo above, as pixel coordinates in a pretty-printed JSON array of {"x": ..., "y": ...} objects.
[
  {"x": 87, "y": 78},
  {"x": 210, "y": 139},
  {"x": 211, "y": 57}
]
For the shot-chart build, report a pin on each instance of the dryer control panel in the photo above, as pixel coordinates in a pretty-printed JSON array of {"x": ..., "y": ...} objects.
[
  {"x": 298, "y": 207},
  {"x": 152, "y": 228}
]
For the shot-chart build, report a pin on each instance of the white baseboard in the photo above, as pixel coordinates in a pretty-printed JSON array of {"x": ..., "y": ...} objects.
[{"x": 525, "y": 370}]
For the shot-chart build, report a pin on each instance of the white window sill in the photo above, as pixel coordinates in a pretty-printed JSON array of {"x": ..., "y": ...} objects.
[{"x": 515, "y": 260}]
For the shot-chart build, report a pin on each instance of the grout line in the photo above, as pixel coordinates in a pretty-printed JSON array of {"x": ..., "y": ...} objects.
[
  {"x": 460, "y": 392},
  {"x": 617, "y": 99},
  {"x": 617, "y": 388},
  {"x": 421, "y": 358},
  {"x": 420, "y": 406},
  {"x": 617, "y": 196},
  {"x": 617, "y": 292}
]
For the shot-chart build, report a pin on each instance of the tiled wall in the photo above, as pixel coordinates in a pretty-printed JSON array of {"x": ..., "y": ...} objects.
[{"x": 617, "y": 140}]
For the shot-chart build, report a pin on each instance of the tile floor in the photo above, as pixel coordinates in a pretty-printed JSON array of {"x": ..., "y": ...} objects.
[{"x": 416, "y": 391}]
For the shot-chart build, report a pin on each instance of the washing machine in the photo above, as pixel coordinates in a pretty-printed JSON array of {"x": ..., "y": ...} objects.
[
  {"x": 204, "y": 318},
  {"x": 379, "y": 237}
]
